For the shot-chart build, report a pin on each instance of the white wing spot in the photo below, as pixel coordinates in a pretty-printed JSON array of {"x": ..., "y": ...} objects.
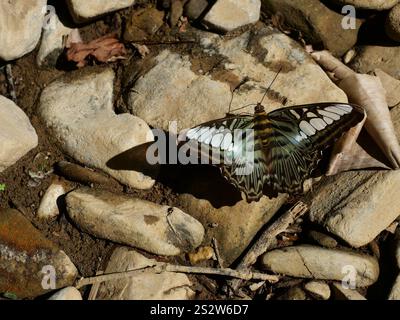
[
  {"x": 204, "y": 135},
  {"x": 318, "y": 123},
  {"x": 311, "y": 115},
  {"x": 227, "y": 141},
  {"x": 210, "y": 133},
  {"x": 328, "y": 120},
  {"x": 336, "y": 110},
  {"x": 345, "y": 107},
  {"x": 303, "y": 135},
  {"x": 216, "y": 140},
  {"x": 307, "y": 128},
  {"x": 192, "y": 132},
  {"x": 293, "y": 112},
  {"x": 331, "y": 115}
]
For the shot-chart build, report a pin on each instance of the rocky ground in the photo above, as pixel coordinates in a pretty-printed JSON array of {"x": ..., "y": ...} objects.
[{"x": 89, "y": 80}]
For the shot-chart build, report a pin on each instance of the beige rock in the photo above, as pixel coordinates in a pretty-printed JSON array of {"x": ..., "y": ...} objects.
[
  {"x": 395, "y": 292},
  {"x": 78, "y": 109},
  {"x": 227, "y": 15},
  {"x": 357, "y": 206},
  {"x": 155, "y": 228},
  {"x": 317, "y": 22},
  {"x": 324, "y": 264},
  {"x": 21, "y": 25},
  {"x": 369, "y": 4},
  {"x": 371, "y": 57},
  {"x": 323, "y": 239},
  {"x": 318, "y": 289},
  {"x": 17, "y": 136},
  {"x": 48, "y": 207},
  {"x": 90, "y": 9},
  {"x": 30, "y": 265},
  {"x": 342, "y": 293},
  {"x": 234, "y": 225},
  {"x": 392, "y": 25},
  {"x": 192, "y": 98},
  {"x": 145, "y": 285},
  {"x": 295, "y": 293},
  {"x": 69, "y": 293}
]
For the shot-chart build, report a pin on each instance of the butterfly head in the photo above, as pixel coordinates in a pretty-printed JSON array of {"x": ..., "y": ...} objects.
[{"x": 259, "y": 108}]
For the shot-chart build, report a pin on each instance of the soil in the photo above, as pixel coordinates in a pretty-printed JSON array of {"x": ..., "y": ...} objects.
[{"x": 24, "y": 193}]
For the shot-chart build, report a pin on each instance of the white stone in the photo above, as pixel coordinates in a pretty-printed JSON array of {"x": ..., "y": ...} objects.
[
  {"x": 342, "y": 293},
  {"x": 318, "y": 289},
  {"x": 145, "y": 285},
  {"x": 48, "y": 207},
  {"x": 21, "y": 25},
  {"x": 155, "y": 228},
  {"x": 79, "y": 112},
  {"x": 227, "y": 15},
  {"x": 17, "y": 136},
  {"x": 89, "y": 9},
  {"x": 69, "y": 293},
  {"x": 181, "y": 94},
  {"x": 52, "y": 43},
  {"x": 324, "y": 264}
]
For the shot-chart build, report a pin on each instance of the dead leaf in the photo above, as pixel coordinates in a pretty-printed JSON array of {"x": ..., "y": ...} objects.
[{"x": 105, "y": 49}]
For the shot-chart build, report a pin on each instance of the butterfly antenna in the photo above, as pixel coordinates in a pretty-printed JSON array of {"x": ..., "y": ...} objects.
[
  {"x": 267, "y": 90},
  {"x": 230, "y": 104}
]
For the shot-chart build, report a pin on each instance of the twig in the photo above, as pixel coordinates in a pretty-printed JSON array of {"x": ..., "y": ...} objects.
[
  {"x": 11, "y": 86},
  {"x": 266, "y": 240},
  {"x": 95, "y": 287},
  {"x": 166, "y": 267},
  {"x": 216, "y": 250}
]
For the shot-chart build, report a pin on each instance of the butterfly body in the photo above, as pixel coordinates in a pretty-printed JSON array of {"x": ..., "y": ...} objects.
[{"x": 283, "y": 148}]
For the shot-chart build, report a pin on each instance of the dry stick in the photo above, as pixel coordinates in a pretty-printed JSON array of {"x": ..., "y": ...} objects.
[
  {"x": 166, "y": 267},
  {"x": 11, "y": 86},
  {"x": 216, "y": 250},
  {"x": 266, "y": 240}
]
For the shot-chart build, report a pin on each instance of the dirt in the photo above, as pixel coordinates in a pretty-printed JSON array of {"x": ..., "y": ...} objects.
[{"x": 90, "y": 254}]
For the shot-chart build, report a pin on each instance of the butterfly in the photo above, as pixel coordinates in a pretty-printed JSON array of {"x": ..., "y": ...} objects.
[{"x": 281, "y": 151}]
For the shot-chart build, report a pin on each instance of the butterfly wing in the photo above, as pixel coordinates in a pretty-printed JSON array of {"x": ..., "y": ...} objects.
[
  {"x": 231, "y": 144},
  {"x": 298, "y": 136}
]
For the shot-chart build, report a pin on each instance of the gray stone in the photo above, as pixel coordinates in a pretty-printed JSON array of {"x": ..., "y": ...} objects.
[
  {"x": 318, "y": 23},
  {"x": 78, "y": 110},
  {"x": 323, "y": 264},
  {"x": 21, "y": 25},
  {"x": 323, "y": 239},
  {"x": 145, "y": 285},
  {"x": 295, "y": 293},
  {"x": 48, "y": 207},
  {"x": 17, "y": 136},
  {"x": 155, "y": 228},
  {"x": 228, "y": 15}
]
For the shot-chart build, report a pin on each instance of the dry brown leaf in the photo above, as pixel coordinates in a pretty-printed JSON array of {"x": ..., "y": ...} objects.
[
  {"x": 366, "y": 91},
  {"x": 104, "y": 49}
]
